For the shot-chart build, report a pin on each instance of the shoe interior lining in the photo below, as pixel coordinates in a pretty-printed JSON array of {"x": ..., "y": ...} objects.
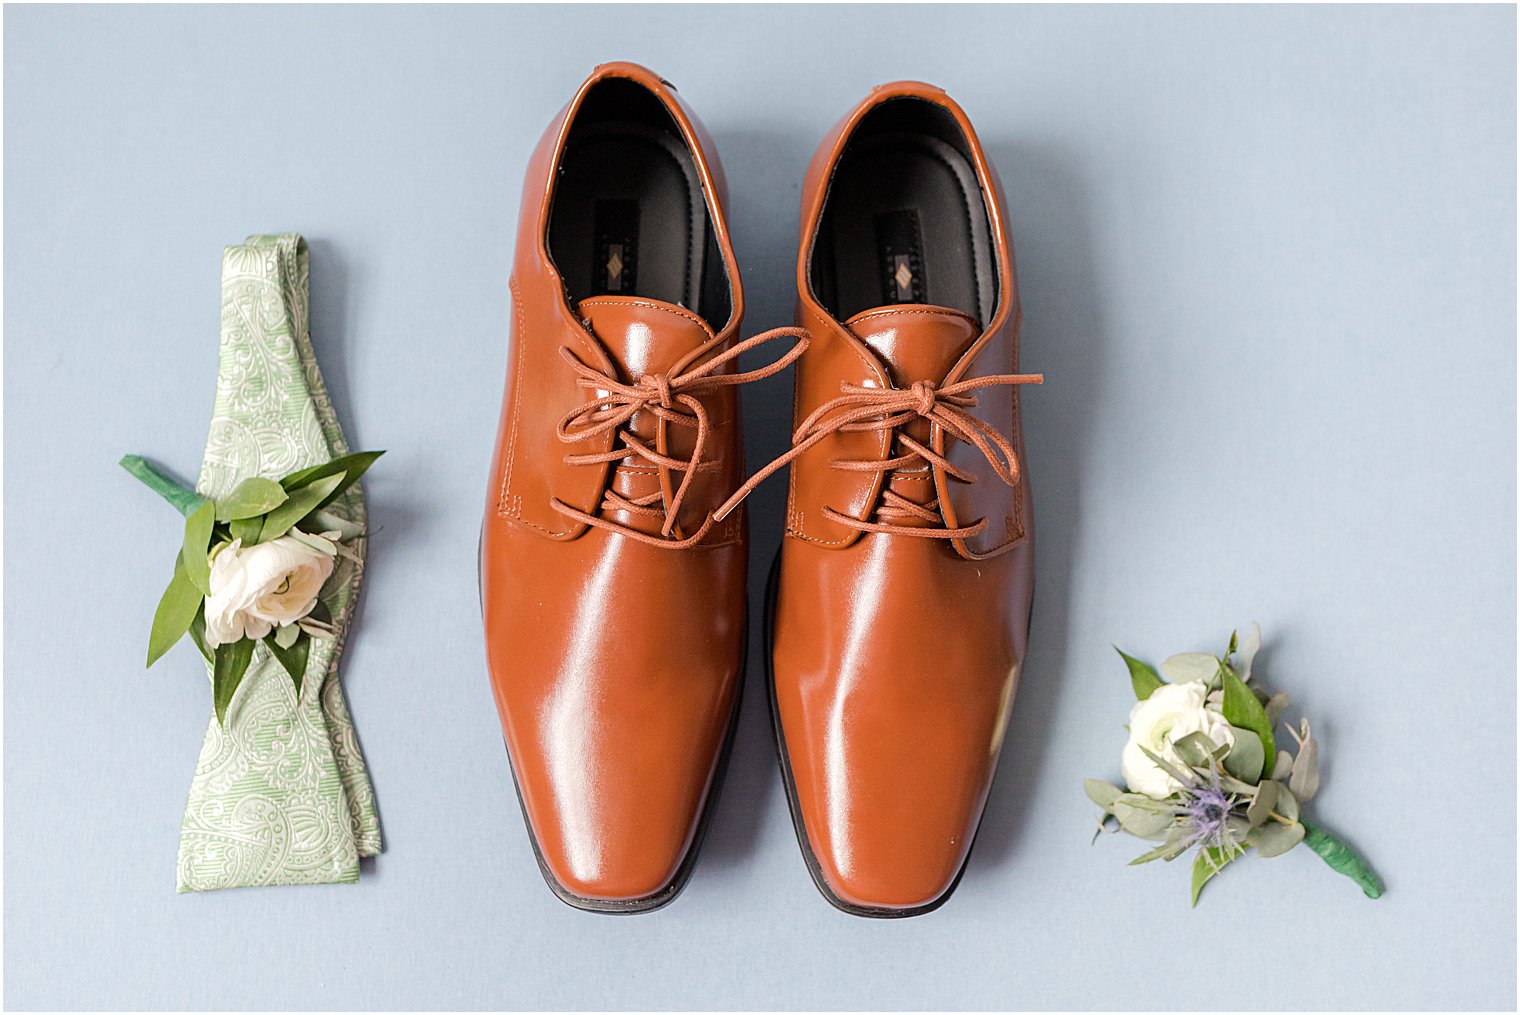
[
  {"x": 905, "y": 220},
  {"x": 629, "y": 216}
]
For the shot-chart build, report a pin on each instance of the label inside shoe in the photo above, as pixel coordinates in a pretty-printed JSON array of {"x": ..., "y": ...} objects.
[
  {"x": 900, "y": 256},
  {"x": 615, "y": 269}
]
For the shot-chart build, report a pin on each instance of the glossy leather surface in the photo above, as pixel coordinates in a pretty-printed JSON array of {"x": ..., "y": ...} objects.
[
  {"x": 614, "y": 662},
  {"x": 896, "y": 658}
]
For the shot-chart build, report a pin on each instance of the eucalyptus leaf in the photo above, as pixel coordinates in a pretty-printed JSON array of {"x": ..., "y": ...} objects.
[
  {"x": 1142, "y": 676},
  {"x": 1102, "y": 793},
  {"x": 1185, "y": 777},
  {"x": 1305, "y": 778},
  {"x": 1142, "y": 802},
  {"x": 1171, "y": 849},
  {"x": 1284, "y": 766},
  {"x": 176, "y": 612},
  {"x": 252, "y": 497},
  {"x": 1241, "y": 709},
  {"x": 316, "y": 542},
  {"x": 1248, "y": 649},
  {"x": 1230, "y": 784},
  {"x": 302, "y": 501},
  {"x": 325, "y": 521},
  {"x": 1187, "y": 666},
  {"x": 1262, "y": 803},
  {"x": 292, "y": 658},
  {"x": 1141, "y": 821},
  {"x": 232, "y": 661},
  {"x": 286, "y": 635},
  {"x": 198, "y": 528},
  {"x": 1245, "y": 759},
  {"x": 1287, "y": 803},
  {"x": 1273, "y": 839},
  {"x": 1196, "y": 750},
  {"x": 1276, "y": 705}
]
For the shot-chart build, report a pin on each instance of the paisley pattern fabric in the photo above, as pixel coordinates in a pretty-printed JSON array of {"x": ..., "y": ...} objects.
[{"x": 280, "y": 794}]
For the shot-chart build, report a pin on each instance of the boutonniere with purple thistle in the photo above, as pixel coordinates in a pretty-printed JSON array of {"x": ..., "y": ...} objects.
[{"x": 1207, "y": 774}]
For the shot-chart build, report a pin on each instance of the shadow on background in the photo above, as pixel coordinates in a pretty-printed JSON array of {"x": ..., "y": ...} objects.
[
  {"x": 1063, "y": 338},
  {"x": 765, "y": 184}
]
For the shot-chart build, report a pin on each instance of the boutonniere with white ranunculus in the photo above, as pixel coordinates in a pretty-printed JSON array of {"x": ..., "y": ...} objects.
[
  {"x": 252, "y": 567},
  {"x": 1206, "y": 773}
]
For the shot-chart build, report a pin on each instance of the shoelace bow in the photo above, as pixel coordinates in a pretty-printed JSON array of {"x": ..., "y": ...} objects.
[
  {"x": 675, "y": 401},
  {"x": 860, "y": 409}
]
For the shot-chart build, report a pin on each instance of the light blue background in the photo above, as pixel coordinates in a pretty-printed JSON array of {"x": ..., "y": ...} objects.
[{"x": 1268, "y": 265}]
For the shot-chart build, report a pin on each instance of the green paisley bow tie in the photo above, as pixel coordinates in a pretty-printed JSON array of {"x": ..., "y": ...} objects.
[{"x": 280, "y": 795}]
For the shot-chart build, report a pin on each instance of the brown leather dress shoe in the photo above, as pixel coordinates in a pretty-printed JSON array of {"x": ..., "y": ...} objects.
[
  {"x": 613, "y": 603},
  {"x": 901, "y": 601}
]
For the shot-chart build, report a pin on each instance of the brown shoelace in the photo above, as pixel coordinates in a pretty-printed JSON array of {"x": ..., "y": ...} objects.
[
  {"x": 673, "y": 400},
  {"x": 861, "y": 409}
]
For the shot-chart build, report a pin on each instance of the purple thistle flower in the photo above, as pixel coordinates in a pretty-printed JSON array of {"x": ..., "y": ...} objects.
[{"x": 1205, "y": 811}]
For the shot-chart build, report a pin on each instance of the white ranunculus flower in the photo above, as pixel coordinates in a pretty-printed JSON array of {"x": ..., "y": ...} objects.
[
  {"x": 257, "y": 589},
  {"x": 1170, "y": 713}
]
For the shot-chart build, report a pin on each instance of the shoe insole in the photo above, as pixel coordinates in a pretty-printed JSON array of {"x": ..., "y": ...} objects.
[
  {"x": 905, "y": 223},
  {"x": 628, "y": 217}
]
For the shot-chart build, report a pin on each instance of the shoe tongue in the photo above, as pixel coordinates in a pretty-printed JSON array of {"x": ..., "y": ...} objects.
[
  {"x": 646, "y": 336},
  {"x": 916, "y": 341},
  {"x": 643, "y": 335}
]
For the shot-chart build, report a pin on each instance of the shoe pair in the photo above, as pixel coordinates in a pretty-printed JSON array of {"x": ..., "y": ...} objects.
[{"x": 613, "y": 552}]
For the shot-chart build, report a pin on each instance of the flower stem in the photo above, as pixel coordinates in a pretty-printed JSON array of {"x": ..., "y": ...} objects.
[
  {"x": 1342, "y": 859},
  {"x": 185, "y": 500}
]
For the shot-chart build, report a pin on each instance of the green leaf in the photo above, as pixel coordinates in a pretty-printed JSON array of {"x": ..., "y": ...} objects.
[
  {"x": 1241, "y": 709},
  {"x": 1209, "y": 862},
  {"x": 198, "y": 528},
  {"x": 1245, "y": 759},
  {"x": 1142, "y": 676},
  {"x": 1102, "y": 793},
  {"x": 231, "y": 663},
  {"x": 286, "y": 635},
  {"x": 302, "y": 501},
  {"x": 1274, "y": 839},
  {"x": 184, "y": 499},
  {"x": 247, "y": 530},
  {"x": 176, "y": 611},
  {"x": 351, "y": 466},
  {"x": 1262, "y": 803},
  {"x": 1343, "y": 859},
  {"x": 198, "y": 634},
  {"x": 252, "y": 497},
  {"x": 292, "y": 658}
]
